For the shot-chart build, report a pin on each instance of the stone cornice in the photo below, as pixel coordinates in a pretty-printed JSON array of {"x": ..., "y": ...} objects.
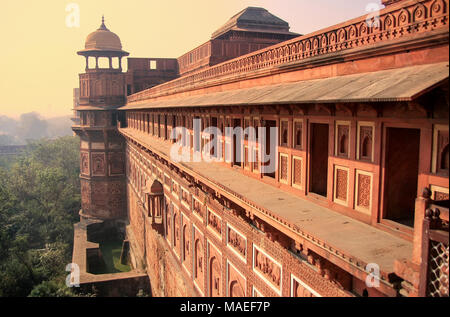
[{"x": 398, "y": 24}]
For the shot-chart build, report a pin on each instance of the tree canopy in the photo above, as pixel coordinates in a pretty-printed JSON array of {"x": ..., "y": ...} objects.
[{"x": 39, "y": 203}]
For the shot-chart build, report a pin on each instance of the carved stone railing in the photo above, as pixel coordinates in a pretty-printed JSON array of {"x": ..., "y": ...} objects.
[
  {"x": 434, "y": 274},
  {"x": 400, "y": 20}
]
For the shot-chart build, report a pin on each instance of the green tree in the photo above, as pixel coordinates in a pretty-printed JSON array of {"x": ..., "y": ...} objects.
[{"x": 39, "y": 202}]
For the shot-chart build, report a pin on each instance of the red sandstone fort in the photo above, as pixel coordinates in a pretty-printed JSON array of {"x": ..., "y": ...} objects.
[{"x": 357, "y": 202}]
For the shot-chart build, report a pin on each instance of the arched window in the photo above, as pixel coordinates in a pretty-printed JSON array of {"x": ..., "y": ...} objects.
[
  {"x": 343, "y": 145},
  {"x": 366, "y": 151}
]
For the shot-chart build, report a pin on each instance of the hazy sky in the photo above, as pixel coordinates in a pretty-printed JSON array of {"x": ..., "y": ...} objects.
[{"x": 38, "y": 52}]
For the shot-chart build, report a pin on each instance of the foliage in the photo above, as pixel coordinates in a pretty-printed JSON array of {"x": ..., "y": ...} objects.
[{"x": 39, "y": 202}]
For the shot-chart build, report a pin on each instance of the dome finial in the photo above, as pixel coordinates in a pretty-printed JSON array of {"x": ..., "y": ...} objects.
[{"x": 103, "y": 26}]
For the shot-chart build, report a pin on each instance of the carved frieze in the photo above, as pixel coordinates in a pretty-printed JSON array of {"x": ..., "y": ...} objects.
[
  {"x": 198, "y": 208},
  {"x": 267, "y": 268},
  {"x": 237, "y": 242},
  {"x": 214, "y": 222}
]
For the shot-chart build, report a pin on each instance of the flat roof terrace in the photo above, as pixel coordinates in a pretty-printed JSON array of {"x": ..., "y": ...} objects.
[{"x": 344, "y": 239}]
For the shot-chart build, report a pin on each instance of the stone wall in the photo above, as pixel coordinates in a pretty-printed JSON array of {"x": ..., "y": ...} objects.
[{"x": 207, "y": 247}]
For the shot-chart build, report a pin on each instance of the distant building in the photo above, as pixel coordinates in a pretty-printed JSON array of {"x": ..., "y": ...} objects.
[{"x": 348, "y": 196}]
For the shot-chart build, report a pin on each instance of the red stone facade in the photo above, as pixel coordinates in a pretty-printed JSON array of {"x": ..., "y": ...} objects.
[{"x": 346, "y": 190}]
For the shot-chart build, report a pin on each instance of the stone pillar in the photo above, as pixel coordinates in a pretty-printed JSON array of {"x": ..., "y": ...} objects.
[{"x": 422, "y": 204}]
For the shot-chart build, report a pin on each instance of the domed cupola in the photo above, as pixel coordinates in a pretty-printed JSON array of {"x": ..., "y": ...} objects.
[
  {"x": 103, "y": 43},
  {"x": 103, "y": 39}
]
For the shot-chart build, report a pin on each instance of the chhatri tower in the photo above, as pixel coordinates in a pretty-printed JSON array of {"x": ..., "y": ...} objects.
[{"x": 102, "y": 92}]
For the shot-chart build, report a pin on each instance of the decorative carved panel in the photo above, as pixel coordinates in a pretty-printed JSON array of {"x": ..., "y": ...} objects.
[
  {"x": 237, "y": 242},
  {"x": 267, "y": 268},
  {"x": 84, "y": 160},
  {"x": 185, "y": 196},
  {"x": 198, "y": 208},
  {"x": 283, "y": 168},
  {"x": 175, "y": 189},
  {"x": 116, "y": 163},
  {"x": 100, "y": 195},
  {"x": 363, "y": 190},
  {"x": 297, "y": 171},
  {"x": 439, "y": 193},
  {"x": 214, "y": 222},
  {"x": 116, "y": 194},
  {"x": 341, "y": 184},
  {"x": 98, "y": 164},
  {"x": 440, "y": 196}
]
